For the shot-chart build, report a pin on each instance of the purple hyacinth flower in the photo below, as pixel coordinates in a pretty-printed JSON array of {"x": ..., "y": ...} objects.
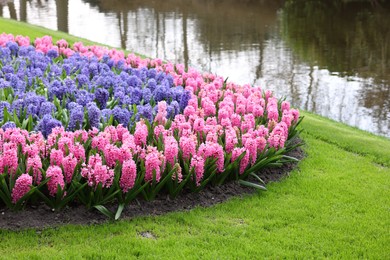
[
  {"x": 76, "y": 118},
  {"x": 93, "y": 114},
  {"x": 126, "y": 101},
  {"x": 170, "y": 112},
  {"x": 152, "y": 84},
  {"x": 47, "y": 108},
  {"x": 176, "y": 107},
  {"x": 185, "y": 97},
  {"x": 142, "y": 73},
  {"x": 32, "y": 98},
  {"x": 52, "y": 54},
  {"x": 146, "y": 112},
  {"x": 101, "y": 97},
  {"x": 8, "y": 125},
  {"x": 46, "y": 124},
  {"x": 136, "y": 96},
  {"x": 5, "y": 52},
  {"x": 17, "y": 106},
  {"x": 147, "y": 95},
  {"x": 13, "y": 47},
  {"x": 177, "y": 92},
  {"x": 23, "y": 51},
  {"x": 160, "y": 93},
  {"x": 102, "y": 67},
  {"x": 134, "y": 81},
  {"x": 32, "y": 110},
  {"x": 124, "y": 76},
  {"x": 82, "y": 80},
  {"x": 4, "y": 83},
  {"x": 71, "y": 105},
  {"x": 83, "y": 97},
  {"x": 93, "y": 68},
  {"x": 119, "y": 97},
  {"x": 106, "y": 114},
  {"x": 55, "y": 71},
  {"x": 122, "y": 115},
  {"x": 85, "y": 71},
  {"x": 67, "y": 68},
  {"x": 8, "y": 69},
  {"x": 70, "y": 85},
  {"x": 57, "y": 89},
  {"x": 152, "y": 73}
]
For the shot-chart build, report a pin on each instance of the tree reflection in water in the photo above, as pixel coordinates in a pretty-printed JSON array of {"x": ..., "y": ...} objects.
[
  {"x": 351, "y": 39},
  {"x": 329, "y": 57}
]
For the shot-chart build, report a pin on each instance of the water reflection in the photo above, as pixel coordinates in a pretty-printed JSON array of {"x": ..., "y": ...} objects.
[
  {"x": 354, "y": 44},
  {"x": 328, "y": 57},
  {"x": 11, "y": 7}
]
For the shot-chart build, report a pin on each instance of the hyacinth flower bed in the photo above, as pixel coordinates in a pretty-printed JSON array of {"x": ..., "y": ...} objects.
[{"x": 90, "y": 125}]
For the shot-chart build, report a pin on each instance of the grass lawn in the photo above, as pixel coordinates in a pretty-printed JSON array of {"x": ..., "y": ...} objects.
[{"x": 335, "y": 205}]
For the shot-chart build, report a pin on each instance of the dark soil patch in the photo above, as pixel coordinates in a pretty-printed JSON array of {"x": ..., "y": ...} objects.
[{"x": 41, "y": 216}]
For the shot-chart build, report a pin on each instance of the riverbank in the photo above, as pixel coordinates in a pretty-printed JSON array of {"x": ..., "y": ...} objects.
[{"x": 335, "y": 205}]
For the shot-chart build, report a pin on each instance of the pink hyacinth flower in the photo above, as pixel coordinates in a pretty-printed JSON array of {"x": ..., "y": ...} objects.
[
  {"x": 22, "y": 186},
  {"x": 153, "y": 166},
  {"x": 35, "y": 164},
  {"x": 187, "y": 146},
  {"x": 69, "y": 164},
  {"x": 141, "y": 133},
  {"x": 197, "y": 163},
  {"x": 56, "y": 179},
  {"x": 129, "y": 174},
  {"x": 171, "y": 149}
]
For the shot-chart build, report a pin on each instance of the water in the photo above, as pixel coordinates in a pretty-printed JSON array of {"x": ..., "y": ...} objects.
[{"x": 328, "y": 57}]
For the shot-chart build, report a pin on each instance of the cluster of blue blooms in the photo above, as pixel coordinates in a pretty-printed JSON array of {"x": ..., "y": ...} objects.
[{"x": 80, "y": 92}]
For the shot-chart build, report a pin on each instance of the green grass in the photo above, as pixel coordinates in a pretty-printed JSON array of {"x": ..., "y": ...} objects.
[
  {"x": 33, "y": 31},
  {"x": 349, "y": 138},
  {"x": 21, "y": 28},
  {"x": 335, "y": 205}
]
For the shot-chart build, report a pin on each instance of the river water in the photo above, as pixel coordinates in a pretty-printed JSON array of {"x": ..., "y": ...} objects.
[{"x": 328, "y": 57}]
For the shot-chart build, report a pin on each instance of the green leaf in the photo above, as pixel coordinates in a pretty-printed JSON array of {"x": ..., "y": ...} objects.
[
  {"x": 24, "y": 124},
  {"x": 205, "y": 182},
  {"x": 70, "y": 197},
  {"x": 16, "y": 119},
  {"x": 30, "y": 125},
  {"x": 274, "y": 165},
  {"x": 130, "y": 196},
  {"x": 4, "y": 185},
  {"x": 6, "y": 115},
  {"x": 6, "y": 199},
  {"x": 25, "y": 197},
  {"x": 252, "y": 185},
  {"x": 119, "y": 211},
  {"x": 161, "y": 184},
  {"x": 290, "y": 158},
  {"x": 48, "y": 201},
  {"x": 257, "y": 177},
  {"x": 181, "y": 186},
  {"x": 105, "y": 211},
  {"x": 56, "y": 102},
  {"x": 109, "y": 197}
]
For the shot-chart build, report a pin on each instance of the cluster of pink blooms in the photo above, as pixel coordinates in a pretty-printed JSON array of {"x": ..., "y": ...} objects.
[
  {"x": 220, "y": 119},
  {"x": 33, "y": 146},
  {"x": 129, "y": 175},
  {"x": 45, "y": 44},
  {"x": 56, "y": 179},
  {"x": 22, "y": 186}
]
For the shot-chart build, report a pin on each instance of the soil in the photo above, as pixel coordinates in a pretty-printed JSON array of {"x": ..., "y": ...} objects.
[{"x": 41, "y": 216}]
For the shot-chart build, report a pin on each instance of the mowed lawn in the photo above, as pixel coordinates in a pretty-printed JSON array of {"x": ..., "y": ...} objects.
[{"x": 336, "y": 204}]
